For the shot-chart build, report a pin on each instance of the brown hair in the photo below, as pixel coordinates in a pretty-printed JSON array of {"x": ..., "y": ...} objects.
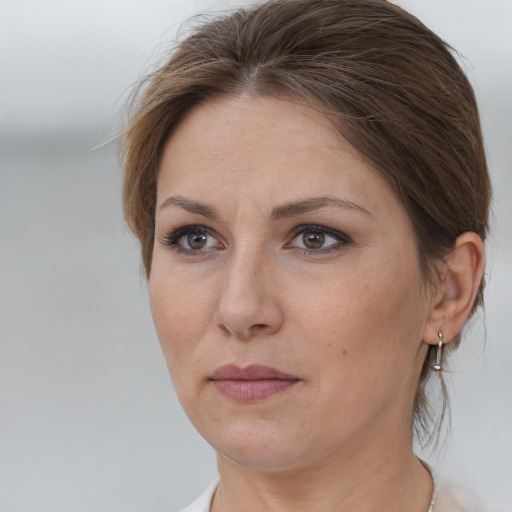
[{"x": 391, "y": 85}]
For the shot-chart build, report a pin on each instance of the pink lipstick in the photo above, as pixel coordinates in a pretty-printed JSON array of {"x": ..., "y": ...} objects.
[{"x": 251, "y": 383}]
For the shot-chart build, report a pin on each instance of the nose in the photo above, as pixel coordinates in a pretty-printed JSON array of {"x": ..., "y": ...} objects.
[{"x": 248, "y": 304}]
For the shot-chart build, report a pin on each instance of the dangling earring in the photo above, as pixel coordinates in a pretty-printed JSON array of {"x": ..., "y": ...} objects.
[{"x": 439, "y": 354}]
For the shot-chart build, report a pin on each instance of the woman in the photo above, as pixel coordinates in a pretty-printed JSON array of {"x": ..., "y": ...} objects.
[{"x": 308, "y": 183}]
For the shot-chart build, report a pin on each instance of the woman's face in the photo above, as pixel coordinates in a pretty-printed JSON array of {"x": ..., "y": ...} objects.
[{"x": 285, "y": 286}]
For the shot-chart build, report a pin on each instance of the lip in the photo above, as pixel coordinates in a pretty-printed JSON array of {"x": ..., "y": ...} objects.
[{"x": 252, "y": 383}]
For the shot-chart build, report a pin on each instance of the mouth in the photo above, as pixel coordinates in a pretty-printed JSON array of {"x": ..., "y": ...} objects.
[{"x": 252, "y": 383}]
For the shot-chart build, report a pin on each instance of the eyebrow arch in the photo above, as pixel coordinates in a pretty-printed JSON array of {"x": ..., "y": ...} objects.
[
  {"x": 191, "y": 206},
  {"x": 315, "y": 203},
  {"x": 286, "y": 210}
]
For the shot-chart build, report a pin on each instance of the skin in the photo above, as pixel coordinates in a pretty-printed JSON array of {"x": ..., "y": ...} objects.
[{"x": 350, "y": 320}]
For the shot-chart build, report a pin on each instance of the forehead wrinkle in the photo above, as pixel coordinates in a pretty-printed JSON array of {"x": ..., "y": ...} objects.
[{"x": 237, "y": 158}]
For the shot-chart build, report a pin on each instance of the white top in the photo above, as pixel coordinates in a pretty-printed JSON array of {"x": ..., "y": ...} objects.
[
  {"x": 448, "y": 499},
  {"x": 202, "y": 504}
]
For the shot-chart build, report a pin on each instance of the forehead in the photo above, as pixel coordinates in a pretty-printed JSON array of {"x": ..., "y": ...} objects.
[{"x": 265, "y": 148}]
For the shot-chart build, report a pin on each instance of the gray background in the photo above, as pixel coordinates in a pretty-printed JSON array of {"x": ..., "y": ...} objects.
[{"x": 88, "y": 418}]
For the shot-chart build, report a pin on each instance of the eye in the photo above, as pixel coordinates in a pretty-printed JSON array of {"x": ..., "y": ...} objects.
[
  {"x": 196, "y": 241},
  {"x": 318, "y": 239},
  {"x": 191, "y": 240}
]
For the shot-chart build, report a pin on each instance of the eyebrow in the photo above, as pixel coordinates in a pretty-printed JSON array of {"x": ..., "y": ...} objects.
[
  {"x": 191, "y": 206},
  {"x": 286, "y": 210},
  {"x": 315, "y": 203}
]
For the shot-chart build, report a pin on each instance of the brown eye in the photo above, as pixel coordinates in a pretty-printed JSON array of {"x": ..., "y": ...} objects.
[
  {"x": 193, "y": 240},
  {"x": 318, "y": 240},
  {"x": 313, "y": 239},
  {"x": 197, "y": 241}
]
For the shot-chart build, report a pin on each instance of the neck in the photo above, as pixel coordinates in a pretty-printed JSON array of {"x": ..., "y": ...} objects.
[{"x": 384, "y": 476}]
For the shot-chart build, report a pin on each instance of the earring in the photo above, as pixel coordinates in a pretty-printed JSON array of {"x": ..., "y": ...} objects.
[{"x": 439, "y": 354}]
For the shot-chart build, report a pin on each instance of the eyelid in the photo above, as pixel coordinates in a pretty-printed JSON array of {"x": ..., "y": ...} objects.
[
  {"x": 172, "y": 237},
  {"x": 342, "y": 238},
  {"x": 338, "y": 235}
]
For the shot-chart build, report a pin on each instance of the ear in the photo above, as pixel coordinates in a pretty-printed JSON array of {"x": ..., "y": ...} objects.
[{"x": 461, "y": 277}]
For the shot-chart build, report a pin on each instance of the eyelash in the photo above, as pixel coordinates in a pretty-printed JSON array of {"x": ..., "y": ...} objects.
[
  {"x": 173, "y": 238},
  {"x": 341, "y": 238}
]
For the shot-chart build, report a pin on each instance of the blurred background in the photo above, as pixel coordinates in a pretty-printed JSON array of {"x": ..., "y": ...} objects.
[{"x": 88, "y": 417}]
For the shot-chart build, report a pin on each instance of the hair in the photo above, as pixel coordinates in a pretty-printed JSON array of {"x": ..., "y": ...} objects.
[{"x": 392, "y": 87}]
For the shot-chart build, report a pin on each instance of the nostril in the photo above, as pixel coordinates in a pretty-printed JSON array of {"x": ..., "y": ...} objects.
[{"x": 223, "y": 328}]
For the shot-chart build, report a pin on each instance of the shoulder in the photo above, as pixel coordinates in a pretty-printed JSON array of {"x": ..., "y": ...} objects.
[
  {"x": 202, "y": 503},
  {"x": 452, "y": 498}
]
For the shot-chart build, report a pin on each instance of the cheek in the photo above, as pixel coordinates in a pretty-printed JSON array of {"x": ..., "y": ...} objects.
[
  {"x": 181, "y": 314},
  {"x": 369, "y": 315},
  {"x": 361, "y": 333}
]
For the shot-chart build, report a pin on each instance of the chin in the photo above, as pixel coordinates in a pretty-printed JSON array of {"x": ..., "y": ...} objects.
[
  {"x": 265, "y": 457},
  {"x": 258, "y": 447}
]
